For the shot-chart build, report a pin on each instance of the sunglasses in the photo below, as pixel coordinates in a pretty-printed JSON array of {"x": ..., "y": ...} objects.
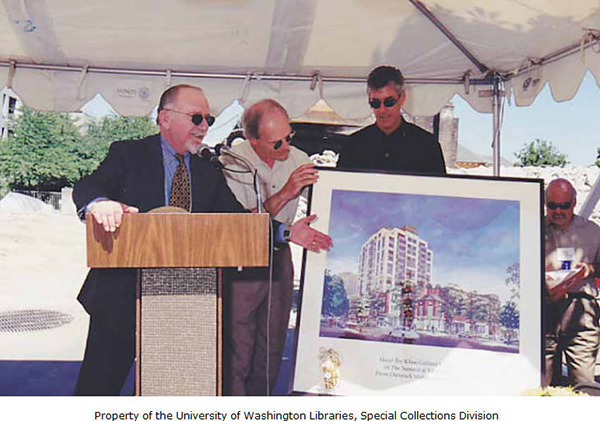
[
  {"x": 288, "y": 139},
  {"x": 562, "y": 205},
  {"x": 390, "y": 101},
  {"x": 196, "y": 118}
]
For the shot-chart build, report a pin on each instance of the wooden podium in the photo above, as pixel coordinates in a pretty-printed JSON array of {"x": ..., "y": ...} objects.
[{"x": 178, "y": 338}]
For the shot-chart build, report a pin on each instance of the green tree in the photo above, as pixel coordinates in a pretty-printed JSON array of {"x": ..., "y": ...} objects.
[
  {"x": 109, "y": 129},
  {"x": 597, "y": 157},
  {"x": 481, "y": 311},
  {"x": 470, "y": 309},
  {"x": 47, "y": 151},
  {"x": 540, "y": 153},
  {"x": 513, "y": 280},
  {"x": 509, "y": 318},
  {"x": 335, "y": 298},
  {"x": 44, "y": 152},
  {"x": 450, "y": 309},
  {"x": 4, "y": 187}
]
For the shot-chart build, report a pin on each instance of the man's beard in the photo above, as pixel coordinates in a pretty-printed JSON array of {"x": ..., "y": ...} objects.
[{"x": 193, "y": 147}]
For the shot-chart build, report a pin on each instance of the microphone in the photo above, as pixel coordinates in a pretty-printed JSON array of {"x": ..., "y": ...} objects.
[
  {"x": 205, "y": 153},
  {"x": 221, "y": 148}
]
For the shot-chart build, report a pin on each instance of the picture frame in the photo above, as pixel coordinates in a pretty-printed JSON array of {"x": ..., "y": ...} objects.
[{"x": 433, "y": 286}]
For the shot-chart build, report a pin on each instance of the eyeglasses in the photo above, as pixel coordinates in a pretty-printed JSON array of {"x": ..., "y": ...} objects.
[
  {"x": 288, "y": 139},
  {"x": 196, "y": 118},
  {"x": 562, "y": 205},
  {"x": 388, "y": 102}
]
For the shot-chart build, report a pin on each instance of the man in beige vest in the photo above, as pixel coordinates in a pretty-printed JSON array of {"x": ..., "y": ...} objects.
[{"x": 256, "y": 310}]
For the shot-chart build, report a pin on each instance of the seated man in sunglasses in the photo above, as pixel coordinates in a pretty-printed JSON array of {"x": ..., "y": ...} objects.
[
  {"x": 572, "y": 312},
  {"x": 391, "y": 144},
  {"x": 256, "y": 312},
  {"x": 137, "y": 176}
]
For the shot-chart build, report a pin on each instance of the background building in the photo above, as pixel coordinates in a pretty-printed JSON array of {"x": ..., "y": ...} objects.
[{"x": 9, "y": 103}]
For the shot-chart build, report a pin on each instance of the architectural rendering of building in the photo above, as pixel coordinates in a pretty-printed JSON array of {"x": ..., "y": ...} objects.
[
  {"x": 395, "y": 280},
  {"x": 391, "y": 257}
]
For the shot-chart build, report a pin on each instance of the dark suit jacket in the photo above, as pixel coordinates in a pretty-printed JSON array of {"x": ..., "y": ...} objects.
[{"x": 133, "y": 173}]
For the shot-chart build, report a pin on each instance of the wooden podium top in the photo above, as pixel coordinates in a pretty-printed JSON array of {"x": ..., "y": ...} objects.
[{"x": 180, "y": 240}]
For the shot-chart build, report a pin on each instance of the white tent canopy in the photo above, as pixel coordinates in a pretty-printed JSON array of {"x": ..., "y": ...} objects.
[{"x": 57, "y": 54}]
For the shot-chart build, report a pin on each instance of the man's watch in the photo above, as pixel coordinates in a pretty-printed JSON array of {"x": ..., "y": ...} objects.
[{"x": 286, "y": 235}]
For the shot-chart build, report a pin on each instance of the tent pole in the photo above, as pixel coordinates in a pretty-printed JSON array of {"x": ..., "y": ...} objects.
[
  {"x": 496, "y": 108},
  {"x": 591, "y": 200}
]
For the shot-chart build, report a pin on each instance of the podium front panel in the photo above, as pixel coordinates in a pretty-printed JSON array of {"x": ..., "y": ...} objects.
[{"x": 179, "y": 332}]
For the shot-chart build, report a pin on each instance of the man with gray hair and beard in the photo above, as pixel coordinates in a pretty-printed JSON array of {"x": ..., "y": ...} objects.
[
  {"x": 256, "y": 311},
  {"x": 138, "y": 176},
  {"x": 572, "y": 313}
]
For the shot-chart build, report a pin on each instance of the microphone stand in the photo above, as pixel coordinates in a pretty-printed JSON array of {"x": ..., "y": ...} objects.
[
  {"x": 226, "y": 151},
  {"x": 204, "y": 152}
]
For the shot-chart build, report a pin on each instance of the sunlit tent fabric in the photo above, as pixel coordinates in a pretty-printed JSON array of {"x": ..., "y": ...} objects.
[{"x": 57, "y": 54}]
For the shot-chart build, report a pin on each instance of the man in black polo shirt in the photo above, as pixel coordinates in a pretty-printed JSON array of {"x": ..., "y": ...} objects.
[{"x": 391, "y": 144}]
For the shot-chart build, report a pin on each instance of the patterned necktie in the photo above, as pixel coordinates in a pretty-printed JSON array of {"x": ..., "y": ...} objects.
[{"x": 180, "y": 189}]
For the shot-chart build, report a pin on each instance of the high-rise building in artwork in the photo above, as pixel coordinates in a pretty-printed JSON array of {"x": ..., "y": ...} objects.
[
  {"x": 350, "y": 283},
  {"x": 390, "y": 259},
  {"x": 396, "y": 292}
]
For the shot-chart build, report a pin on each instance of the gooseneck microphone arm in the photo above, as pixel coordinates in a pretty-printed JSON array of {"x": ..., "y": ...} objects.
[{"x": 225, "y": 150}]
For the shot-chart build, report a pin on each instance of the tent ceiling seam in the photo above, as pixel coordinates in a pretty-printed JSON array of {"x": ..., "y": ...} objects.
[{"x": 448, "y": 34}]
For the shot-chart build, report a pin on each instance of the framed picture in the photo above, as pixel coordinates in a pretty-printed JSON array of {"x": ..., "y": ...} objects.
[{"x": 432, "y": 287}]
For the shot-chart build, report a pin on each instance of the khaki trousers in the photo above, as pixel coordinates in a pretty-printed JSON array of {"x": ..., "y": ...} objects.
[
  {"x": 253, "y": 331},
  {"x": 572, "y": 329}
]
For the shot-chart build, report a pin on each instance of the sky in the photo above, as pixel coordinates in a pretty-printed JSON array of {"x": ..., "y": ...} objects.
[
  {"x": 473, "y": 240},
  {"x": 572, "y": 126}
]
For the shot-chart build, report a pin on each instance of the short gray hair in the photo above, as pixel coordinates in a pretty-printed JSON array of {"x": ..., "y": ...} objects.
[
  {"x": 382, "y": 76},
  {"x": 170, "y": 96}
]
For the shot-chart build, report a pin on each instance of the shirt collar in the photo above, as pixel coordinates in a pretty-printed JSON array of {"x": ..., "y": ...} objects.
[
  {"x": 399, "y": 129},
  {"x": 249, "y": 153},
  {"x": 166, "y": 147},
  {"x": 577, "y": 221}
]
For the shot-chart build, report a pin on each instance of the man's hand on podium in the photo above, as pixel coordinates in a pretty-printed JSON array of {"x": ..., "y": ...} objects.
[
  {"x": 109, "y": 213},
  {"x": 307, "y": 237}
]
